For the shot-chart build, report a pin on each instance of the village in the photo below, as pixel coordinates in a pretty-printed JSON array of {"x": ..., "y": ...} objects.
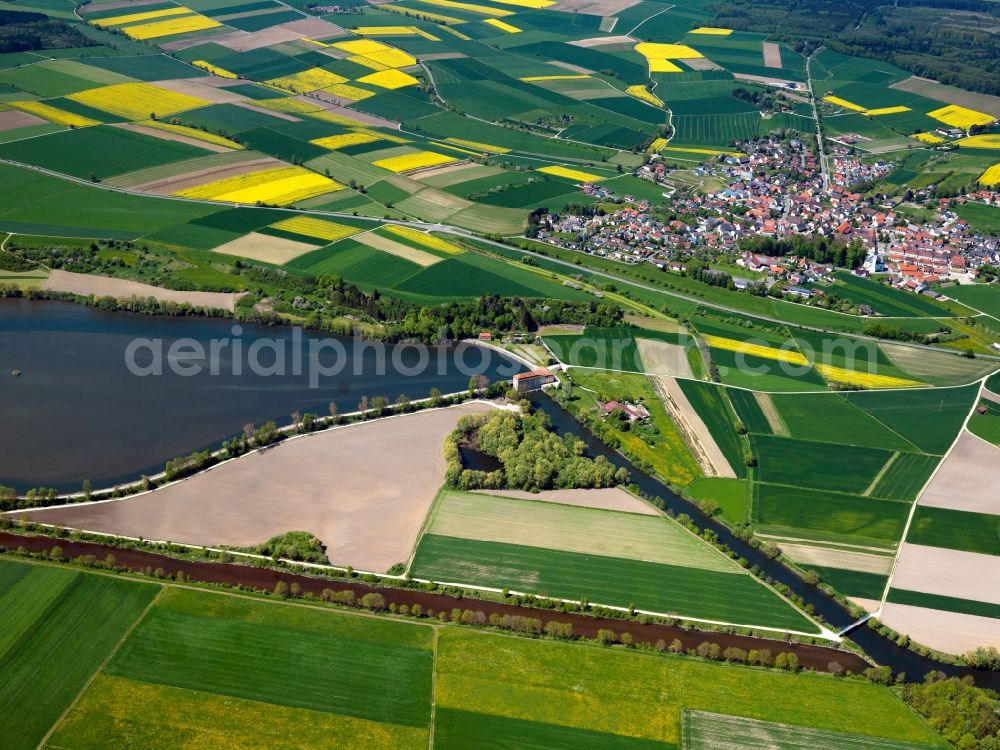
[{"x": 770, "y": 197}]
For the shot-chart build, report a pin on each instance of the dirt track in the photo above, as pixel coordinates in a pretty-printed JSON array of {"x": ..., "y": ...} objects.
[
  {"x": 363, "y": 489},
  {"x": 104, "y": 286},
  {"x": 692, "y": 428}
]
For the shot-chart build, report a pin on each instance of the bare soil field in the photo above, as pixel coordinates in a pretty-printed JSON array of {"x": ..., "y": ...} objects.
[
  {"x": 868, "y": 605},
  {"x": 772, "y": 55},
  {"x": 664, "y": 358},
  {"x": 950, "y": 95},
  {"x": 603, "y": 41},
  {"x": 595, "y": 7},
  {"x": 693, "y": 429},
  {"x": 837, "y": 558},
  {"x": 15, "y": 118},
  {"x": 166, "y": 135},
  {"x": 209, "y": 92},
  {"x": 308, "y": 26},
  {"x": 701, "y": 63},
  {"x": 398, "y": 249},
  {"x": 264, "y": 247},
  {"x": 778, "y": 426},
  {"x": 363, "y": 489},
  {"x": 948, "y": 572},
  {"x": 967, "y": 479},
  {"x": 609, "y": 498},
  {"x": 175, "y": 183},
  {"x": 570, "y": 67},
  {"x": 104, "y": 286},
  {"x": 951, "y": 632}
]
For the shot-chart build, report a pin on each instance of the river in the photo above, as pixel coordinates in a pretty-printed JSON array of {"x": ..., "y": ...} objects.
[
  {"x": 882, "y": 650},
  {"x": 76, "y": 411}
]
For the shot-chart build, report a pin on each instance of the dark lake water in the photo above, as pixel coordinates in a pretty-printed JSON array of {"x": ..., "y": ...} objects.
[{"x": 77, "y": 411}]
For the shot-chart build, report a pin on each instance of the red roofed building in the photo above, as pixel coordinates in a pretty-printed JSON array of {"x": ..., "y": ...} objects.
[{"x": 533, "y": 380}]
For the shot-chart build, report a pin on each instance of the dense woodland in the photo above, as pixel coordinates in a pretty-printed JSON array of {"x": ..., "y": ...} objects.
[
  {"x": 24, "y": 32},
  {"x": 948, "y": 40},
  {"x": 532, "y": 456},
  {"x": 963, "y": 713}
]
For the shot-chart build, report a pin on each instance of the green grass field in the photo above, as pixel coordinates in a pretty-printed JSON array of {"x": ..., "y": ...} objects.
[
  {"x": 569, "y": 528},
  {"x": 928, "y": 418},
  {"x": 905, "y": 477},
  {"x": 643, "y": 697},
  {"x": 300, "y": 658},
  {"x": 195, "y": 653},
  {"x": 712, "y": 731},
  {"x": 823, "y": 466},
  {"x": 832, "y": 516},
  {"x": 955, "y": 529},
  {"x": 56, "y": 628},
  {"x": 852, "y": 582},
  {"x": 828, "y": 417},
  {"x": 687, "y": 591},
  {"x": 712, "y": 404},
  {"x": 946, "y": 603}
]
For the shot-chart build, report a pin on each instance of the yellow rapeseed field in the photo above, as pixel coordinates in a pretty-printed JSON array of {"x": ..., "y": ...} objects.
[
  {"x": 503, "y": 26},
  {"x": 347, "y": 91},
  {"x": 960, "y": 117},
  {"x": 711, "y": 30},
  {"x": 289, "y": 105},
  {"x": 361, "y": 46},
  {"x": 886, "y": 111},
  {"x": 571, "y": 174},
  {"x": 756, "y": 350},
  {"x": 657, "y": 144},
  {"x": 471, "y": 7},
  {"x": 456, "y": 32},
  {"x": 988, "y": 140},
  {"x": 171, "y": 27},
  {"x": 567, "y": 77},
  {"x": 641, "y": 92},
  {"x": 394, "y": 31},
  {"x": 341, "y": 140},
  {"x": 307, "y": 80},
  {"x": 136, "y": 17},
  {"x": 928, "y": 138},
  {"x": 864, "y": 379},
  {"x": 843, "y": 103},
  {"x": 389, "y": 79},
  {"x": 659, "y": 55},
  {"x": 409, "y": 162},
  {"x": 477, "y": 145},
  {"x": 54, "y": 114},
  {"x": 195, "y": 133},
  {"x": 991, "y": 176},
  {"x": 137, "y": 101},
  {"x": 308, "y": 226},
  {"x": 280, "y": 186},
  {"x": 421, "y": 238},
  {"x": 214, "y": 69}
]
